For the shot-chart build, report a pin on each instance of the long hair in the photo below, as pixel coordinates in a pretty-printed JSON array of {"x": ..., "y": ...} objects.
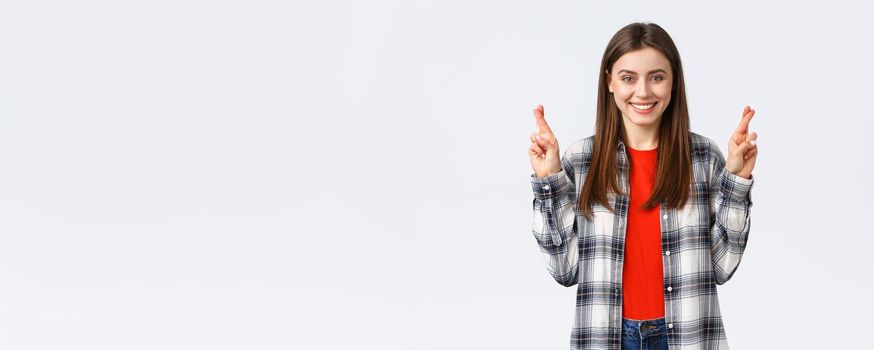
[{"x": 674, "y": 150}]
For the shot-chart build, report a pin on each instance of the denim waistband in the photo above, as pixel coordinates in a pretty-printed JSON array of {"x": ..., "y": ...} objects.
[
  {"x": 651, "y": 324},
  {"x": 653, "y": 320}
]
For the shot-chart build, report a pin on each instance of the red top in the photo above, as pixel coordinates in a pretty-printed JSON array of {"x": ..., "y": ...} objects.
[{"x": 642, "y": 273}]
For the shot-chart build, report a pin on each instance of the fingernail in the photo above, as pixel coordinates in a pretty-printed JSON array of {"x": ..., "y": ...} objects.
[{"x": 753, "y": 142}]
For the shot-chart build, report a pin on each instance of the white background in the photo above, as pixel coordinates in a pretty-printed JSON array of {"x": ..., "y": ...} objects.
[{"x": 332, "y": 175}]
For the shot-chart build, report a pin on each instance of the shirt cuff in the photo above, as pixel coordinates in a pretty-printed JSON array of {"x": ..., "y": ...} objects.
[
  {"x": 548, "y": 186},
  {"x": 734, "y": 187}
]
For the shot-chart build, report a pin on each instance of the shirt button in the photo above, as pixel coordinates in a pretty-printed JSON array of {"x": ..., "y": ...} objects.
[
  {"x": 665, "y": 216},
  {"x": 670, "y": 325},
  {"x": 667, "y": 252},
  {"x": 545, "y": 187},
  {"x": 669, "y": 288}
]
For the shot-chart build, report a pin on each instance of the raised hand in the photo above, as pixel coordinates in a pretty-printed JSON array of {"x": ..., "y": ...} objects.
[
  {"x": 742, "y": 148},
  {"x": 545, "y": 158}
]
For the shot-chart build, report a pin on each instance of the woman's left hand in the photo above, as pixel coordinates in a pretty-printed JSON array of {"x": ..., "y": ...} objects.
[{"x": 742, "y": 148}]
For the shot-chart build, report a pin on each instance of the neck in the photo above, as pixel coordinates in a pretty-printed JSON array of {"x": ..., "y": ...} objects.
[{"x": 641, "y": 137}]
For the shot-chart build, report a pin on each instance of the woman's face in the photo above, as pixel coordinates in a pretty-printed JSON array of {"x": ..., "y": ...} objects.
[{"x": 641, "y": 78}]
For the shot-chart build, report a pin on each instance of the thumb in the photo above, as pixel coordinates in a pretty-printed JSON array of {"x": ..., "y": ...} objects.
[
  {"x": 751, "y": 137},
  {"x": 742, "y": 148}
]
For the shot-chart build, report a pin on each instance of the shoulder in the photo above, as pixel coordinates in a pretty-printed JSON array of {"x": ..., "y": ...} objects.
[
  {"x": 582, "y": 146},
  {"x": 706, "y": 155},
  {"x": 579, "y": 154},
  {"x": 703, "y": 148},
  {"x": 700, "y": 141},
  {"x": 580, "y": 151}
]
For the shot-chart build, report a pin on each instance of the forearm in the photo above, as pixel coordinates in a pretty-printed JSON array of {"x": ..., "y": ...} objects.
[
  {"x": 554, "y": 225},
  {"x": 730, "y": 224}
]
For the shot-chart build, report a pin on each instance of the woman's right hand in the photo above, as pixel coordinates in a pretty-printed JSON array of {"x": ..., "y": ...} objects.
[{"x": 545, "y": 158}]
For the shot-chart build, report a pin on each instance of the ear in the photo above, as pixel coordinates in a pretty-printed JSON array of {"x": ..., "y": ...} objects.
[{"x": 609, "y": 81}]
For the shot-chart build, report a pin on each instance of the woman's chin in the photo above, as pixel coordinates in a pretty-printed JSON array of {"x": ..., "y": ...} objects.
[{"x": 643, "y": 120}]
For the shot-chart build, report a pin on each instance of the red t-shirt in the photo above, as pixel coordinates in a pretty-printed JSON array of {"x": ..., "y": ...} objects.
[{"x": 642, "y": 271}]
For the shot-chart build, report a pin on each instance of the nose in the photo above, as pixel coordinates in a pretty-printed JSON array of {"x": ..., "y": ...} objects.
[{"x": 642, "y": 89}]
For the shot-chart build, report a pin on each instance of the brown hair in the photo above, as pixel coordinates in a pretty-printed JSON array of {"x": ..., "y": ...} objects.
[{"x": 674, "y": 150}]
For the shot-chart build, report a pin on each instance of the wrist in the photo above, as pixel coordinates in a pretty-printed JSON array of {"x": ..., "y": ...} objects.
[
  {"x": 548, "y": 173},
  {"x": 740, "y": 173}
]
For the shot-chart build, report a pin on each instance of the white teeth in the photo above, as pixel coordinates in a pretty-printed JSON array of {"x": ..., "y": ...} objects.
[{"x": 643, "y": 106}]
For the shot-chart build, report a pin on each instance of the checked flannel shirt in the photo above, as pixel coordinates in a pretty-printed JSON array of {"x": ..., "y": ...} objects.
[{"x": 702, "y": 245}]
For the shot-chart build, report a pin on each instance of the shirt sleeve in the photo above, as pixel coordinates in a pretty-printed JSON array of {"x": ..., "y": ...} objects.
[
  {"x": 555, "y": 224},
  {"x": 730, "y": 203}
]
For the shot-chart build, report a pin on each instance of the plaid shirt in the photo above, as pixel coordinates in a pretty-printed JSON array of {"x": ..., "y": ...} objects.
[{"x": 702, "y": 245}]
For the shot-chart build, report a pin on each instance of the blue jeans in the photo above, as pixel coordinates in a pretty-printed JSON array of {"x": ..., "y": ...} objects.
[{"x": 644, "y": 334}]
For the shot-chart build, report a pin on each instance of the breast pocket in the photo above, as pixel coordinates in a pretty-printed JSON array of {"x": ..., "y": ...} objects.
[
  {"x": 696, "y": 210},
  {"x": 602, "y": 217}
]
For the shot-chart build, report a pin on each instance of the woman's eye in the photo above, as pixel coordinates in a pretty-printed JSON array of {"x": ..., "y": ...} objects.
[
  {"x": 625, "y": 79},
  {"x": 658, "y": 77}
]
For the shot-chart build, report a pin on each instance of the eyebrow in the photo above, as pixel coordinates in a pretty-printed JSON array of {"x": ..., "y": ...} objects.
[{"x": 635, "y": 73}]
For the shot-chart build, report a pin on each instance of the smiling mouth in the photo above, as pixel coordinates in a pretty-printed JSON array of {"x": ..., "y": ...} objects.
[{"x": 644, "y": 107}]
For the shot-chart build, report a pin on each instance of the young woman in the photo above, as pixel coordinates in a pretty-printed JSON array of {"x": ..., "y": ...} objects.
[{"x": 645, "y": 217}]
